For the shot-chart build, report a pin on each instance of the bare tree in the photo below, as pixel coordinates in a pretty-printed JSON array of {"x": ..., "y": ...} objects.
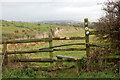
[{"x": 109, "y": 25}]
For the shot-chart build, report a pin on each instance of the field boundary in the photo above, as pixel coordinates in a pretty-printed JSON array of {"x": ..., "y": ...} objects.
[{"x": 50, "y": 49}]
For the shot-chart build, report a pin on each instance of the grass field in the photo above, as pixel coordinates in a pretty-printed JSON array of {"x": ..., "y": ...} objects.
[
  {"x": 17, "y": 70},
  {"x": 78, "y": 54},
  {"x": 13, "y": 30}
]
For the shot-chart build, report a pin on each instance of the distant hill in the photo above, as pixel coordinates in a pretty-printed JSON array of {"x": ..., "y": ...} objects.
[
  {"x": 47, "y": 21},
  {"x": 60, "y": 21}
]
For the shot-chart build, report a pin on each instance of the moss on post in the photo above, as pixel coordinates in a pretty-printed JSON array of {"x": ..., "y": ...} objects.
[
  {"x": 87, "y": 36},
  {"x": 50, "y": 43},
  {"x": 5, "y": 61},
  {"x": 87, "y": 41}
]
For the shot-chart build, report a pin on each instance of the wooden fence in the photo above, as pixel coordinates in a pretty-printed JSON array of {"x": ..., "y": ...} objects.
[
  {"x": 39, "y": 40},
  {"x": 50, "y": 39}
]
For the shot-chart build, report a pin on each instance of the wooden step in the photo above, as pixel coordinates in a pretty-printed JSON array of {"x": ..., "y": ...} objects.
[{"x": 67, "y": 57}]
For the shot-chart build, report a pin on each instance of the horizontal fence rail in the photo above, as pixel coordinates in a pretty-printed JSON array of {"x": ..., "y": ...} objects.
[
  {"x": 44, "y": 60},
  {"x": 68, "y": 38},
  {"x": 46, "y": 50},
  {"x": 93, "y": 32},
  {"x": 27, "y": 41},
  {"x": 42, "y": 40},
  {"x": 97, "y": 32}
]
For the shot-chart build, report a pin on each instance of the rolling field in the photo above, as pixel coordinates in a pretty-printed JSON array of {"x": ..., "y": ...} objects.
[
  {"x": 13, "y": 69},
  {"x": 13, "y": 30}
]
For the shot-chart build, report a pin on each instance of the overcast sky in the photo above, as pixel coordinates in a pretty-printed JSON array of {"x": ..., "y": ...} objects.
[{"x": 51, "y": 10}]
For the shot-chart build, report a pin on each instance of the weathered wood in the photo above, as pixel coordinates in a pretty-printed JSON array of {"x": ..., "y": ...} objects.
[
  {"x": 70, "y": 49},
  {"x": 5, "y": 61},
  {"x": 46, "y": 50},
  {"x": 42, "y": 40},
  {"x": 59, "y": 63},
  {"x": 87, "y": 40},
  {"x": 100, "y": 61},
  {"x": 67, "y": 57},
  {"x": 50, "y": 42},
  {"x": 96, "y": 32},
  {"x": 78, "y": 67},
  {"x": 119, "y": 66},
  {"x": 87, "y": 37},
  {"x": 45, "y": 68},
  {"x": 42, "y": 60},
  {"x": 68, "y": 38},
  {"x": 27, "y": 41},
  {"x": 108, "y": 59},
  {"x": 111, "y": 57},
  {"x": 26, "y": 52},
  {"x": 34, "y": 60},
  {"x": 93, "y": 32}
]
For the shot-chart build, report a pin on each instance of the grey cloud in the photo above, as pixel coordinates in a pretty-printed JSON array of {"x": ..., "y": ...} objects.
[{"x": 33, "y": 11}]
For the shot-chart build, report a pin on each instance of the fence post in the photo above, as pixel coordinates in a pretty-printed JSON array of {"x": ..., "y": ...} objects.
[
  {"x": 119, "y": 66},
  {"x": 87, "y": 37},
  {"x": 87, "y": 41},
  {"x": 78, "y": 66},
  {"x": 50, "y": 42},
  {"x": 106, "y": 57},
  {"x": 5, "y": 61}
]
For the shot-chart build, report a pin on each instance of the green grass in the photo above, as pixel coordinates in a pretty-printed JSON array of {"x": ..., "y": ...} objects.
[
  {"x": 64, "y": 33},
  {"x": 33, "y": 28},
  {"x": 9, "y": 29},
  {"x": 78, "y": 54},
  {"x": 30, "y": 73},
  {"x": 20, "y": 73}
]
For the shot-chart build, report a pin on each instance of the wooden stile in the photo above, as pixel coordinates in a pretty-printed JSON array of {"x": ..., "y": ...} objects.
[{"x": 77, "y": 61}]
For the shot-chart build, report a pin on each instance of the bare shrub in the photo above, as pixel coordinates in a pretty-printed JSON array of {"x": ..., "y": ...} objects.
[
  {"x": 109, "y": 25},
  {"x": 94, "y": 61}
]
